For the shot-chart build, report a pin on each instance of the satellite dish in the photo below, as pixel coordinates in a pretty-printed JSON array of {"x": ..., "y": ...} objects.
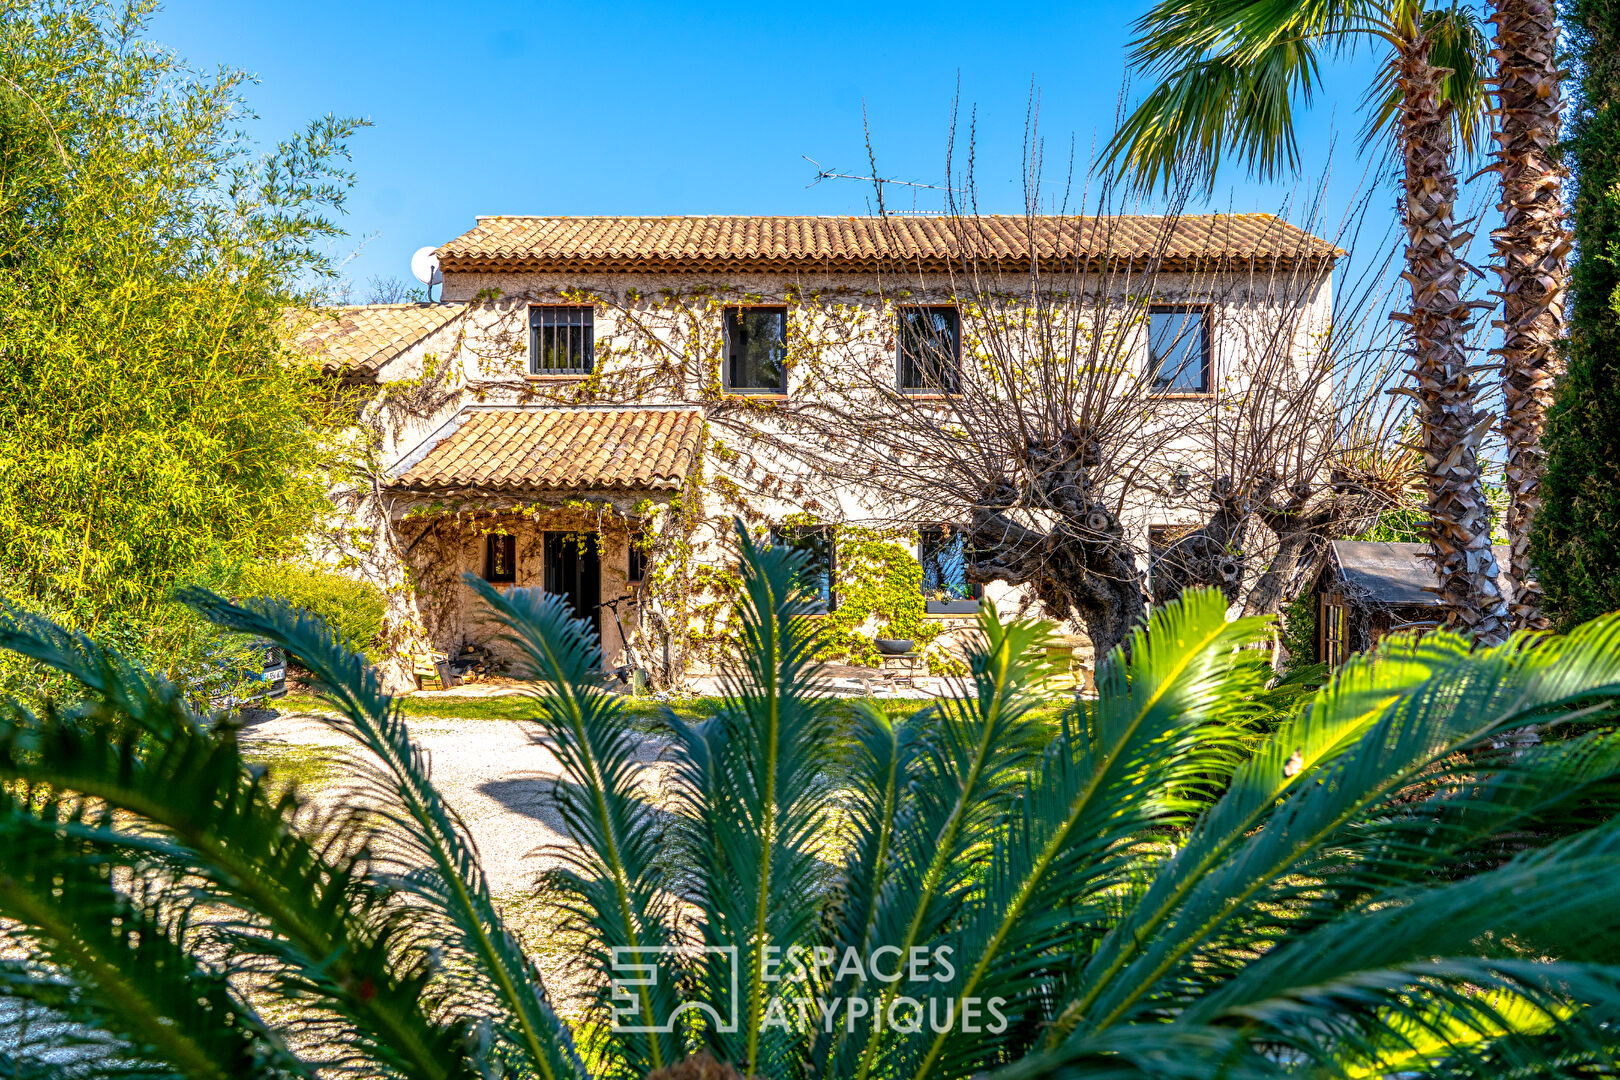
[{"x": 425, "y": 267}]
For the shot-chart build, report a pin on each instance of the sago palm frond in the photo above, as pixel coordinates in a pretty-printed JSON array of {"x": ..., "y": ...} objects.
[
  {"x": 1196, "y": 875},
  {"x": 125, "y": 950},
  {"x": 492, "y": 976},
  {"x": 609, "y": 885},
  {"x": 1237, "y": 900},
  {"x": 755, "y": 780},
  {"x": 308, "y": 909}
]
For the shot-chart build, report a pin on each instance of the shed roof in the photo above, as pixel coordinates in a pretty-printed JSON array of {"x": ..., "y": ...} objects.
[
  {"x": 513, "y": 449},
  {"x": 359, "y": 339},
  {"x": 1388, "y": 574},
  {"x": 932, "y": 243}
]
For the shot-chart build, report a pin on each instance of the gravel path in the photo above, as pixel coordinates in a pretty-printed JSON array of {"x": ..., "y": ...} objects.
[{"x": 492, "y": 772}]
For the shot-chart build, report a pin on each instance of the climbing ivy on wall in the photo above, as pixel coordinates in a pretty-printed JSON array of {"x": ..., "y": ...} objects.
[
  {"x": 667, "y": 345},
  {"x": 879, "y": 582}
]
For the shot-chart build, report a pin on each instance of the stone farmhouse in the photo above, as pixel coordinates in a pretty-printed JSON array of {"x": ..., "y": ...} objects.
[{"x": 574, "y": 412}]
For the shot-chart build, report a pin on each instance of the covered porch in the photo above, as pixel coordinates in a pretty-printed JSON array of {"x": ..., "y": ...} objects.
[{"x": 558, "y": 499}]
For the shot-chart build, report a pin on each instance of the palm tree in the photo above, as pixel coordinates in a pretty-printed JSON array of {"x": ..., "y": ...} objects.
[
  {"x": 1531, "y": 247},
  {"x": 1190, "y": 876},
  {"x": 1228, "y": 74}
]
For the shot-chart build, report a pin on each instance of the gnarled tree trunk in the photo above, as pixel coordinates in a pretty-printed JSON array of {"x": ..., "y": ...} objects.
[
  {"x": 1210, "y": 556},
  {"x": 1305, "y": 522},
  {"x": 1459, "y": 518},
  {"x": 1531, "y": 247},
  {"x": 1079, "y": 568},
  {"x": 1079, "y": 564}
]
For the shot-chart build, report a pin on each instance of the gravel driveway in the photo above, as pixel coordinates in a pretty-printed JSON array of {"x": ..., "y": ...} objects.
[{"x": 492, "y": 772}]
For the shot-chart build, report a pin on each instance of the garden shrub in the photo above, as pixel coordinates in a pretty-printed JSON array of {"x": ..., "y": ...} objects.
[
  {"x": 1298, "y": 626},
  {"x": 353, "y": 609},
  {"x": 877, "y": 578}
]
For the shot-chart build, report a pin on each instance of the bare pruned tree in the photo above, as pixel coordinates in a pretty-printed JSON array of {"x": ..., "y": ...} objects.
[
  {"x": 1076, "y": 399},
  {"x": 392, "y": 290}
]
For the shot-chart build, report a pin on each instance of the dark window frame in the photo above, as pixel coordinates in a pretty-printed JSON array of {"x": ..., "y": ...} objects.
[
  {"x": 728, "y": 359},
  {"x": 493, "y": 543},
  {"x": 587, "y": 326},
  {"x": 900, "y": 358},
  {"x": 636, "y": 562},
  {"x": 790, "y": 537},
  {"x": 1206, "y": 348},
  {"x": 953, "y": 605}
]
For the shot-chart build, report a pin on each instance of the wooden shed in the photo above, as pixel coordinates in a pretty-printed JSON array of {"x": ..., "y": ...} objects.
[{"x": 1369, "y": 589}]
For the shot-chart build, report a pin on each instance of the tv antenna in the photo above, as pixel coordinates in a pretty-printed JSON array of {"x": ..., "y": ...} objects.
[
  {"x": 425, "y": 268},
  {"x": 828, "y": 174}
]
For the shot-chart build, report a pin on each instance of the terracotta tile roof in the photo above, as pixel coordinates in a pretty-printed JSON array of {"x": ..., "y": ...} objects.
[
  {"x": 358, "y": 340},
  {"x": 674, "y": 244},
  {"x": 512, "y": 448}
]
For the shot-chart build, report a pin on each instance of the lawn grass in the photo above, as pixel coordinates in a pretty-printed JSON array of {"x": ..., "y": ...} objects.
[{"x": 305, "y": 766}]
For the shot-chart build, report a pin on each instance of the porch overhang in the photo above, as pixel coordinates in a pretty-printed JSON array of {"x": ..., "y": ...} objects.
[{"x": 514, "y": 450}]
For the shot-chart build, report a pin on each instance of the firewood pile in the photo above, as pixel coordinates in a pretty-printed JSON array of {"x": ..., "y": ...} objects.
[{"x": 473, "y": 663}]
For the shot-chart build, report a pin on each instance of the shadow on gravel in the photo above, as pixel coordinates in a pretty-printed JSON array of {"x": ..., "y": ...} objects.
[{"x": 536, "y": 797}]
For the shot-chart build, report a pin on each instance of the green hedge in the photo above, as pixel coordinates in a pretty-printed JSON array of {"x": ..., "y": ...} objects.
[
  {"x": 1576, "y": 539},
  {"x": 354, "y": 609}
]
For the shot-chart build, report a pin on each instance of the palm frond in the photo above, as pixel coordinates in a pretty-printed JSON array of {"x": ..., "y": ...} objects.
[
  {"x": 1227, "y": 74},
  {"x": 611, "y": 888},
  {"x": 1270, "y": 880},
  {"x": 758, "y": 775},
  {"x": 128, "y": 953},
  {"x": 880, "y": 807},
  {"x": 307, "y": 908},
  {"x": 496, "y": 975},
  {"x": 1159, "y": 730},
  {"x": 971, "y": 764}
]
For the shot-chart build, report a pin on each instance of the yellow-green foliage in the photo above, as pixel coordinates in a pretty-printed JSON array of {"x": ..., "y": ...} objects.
[
  {"x": 353, "y": 609},
  {"x": 150, "y": 418},
  {"x": 877, "y": 578}
]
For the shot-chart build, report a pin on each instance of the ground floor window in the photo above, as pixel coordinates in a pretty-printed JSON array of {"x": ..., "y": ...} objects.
[
  {"x": 817, "y": 544},
  {"x": 942, "y": 550},
  {"x": 500, "y": 558}
]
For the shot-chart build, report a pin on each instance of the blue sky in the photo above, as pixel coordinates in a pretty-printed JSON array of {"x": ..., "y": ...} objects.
[{"x": 630, "y": 108}]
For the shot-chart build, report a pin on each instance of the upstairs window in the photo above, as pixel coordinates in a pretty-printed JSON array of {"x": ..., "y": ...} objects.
[
  {"x": 1178, "y": 349},
  {"x": 942, "y": 551},
  {"x": 816, "y": 577},
  {"x": 756, "y": 350},
  {"x": 560, "y": 340},
  {"x": 930, "y": 349},
  {"x": 500, "y": 558}
]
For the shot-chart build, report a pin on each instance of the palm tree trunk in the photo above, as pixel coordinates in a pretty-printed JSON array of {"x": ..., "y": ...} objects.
[
  {"x": 1459, "y": 518},
  {"x": 1531, "y": 247}
]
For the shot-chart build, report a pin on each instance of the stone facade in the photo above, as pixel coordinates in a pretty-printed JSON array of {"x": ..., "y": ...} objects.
[{"x": 658, "y": 342}]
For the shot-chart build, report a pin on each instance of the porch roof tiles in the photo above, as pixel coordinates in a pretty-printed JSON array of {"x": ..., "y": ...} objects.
[
  {"x": 515, "y": 449},
  {"x": 359, "y": 339}
]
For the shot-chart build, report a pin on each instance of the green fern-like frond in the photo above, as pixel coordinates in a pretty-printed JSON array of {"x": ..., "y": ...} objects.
[
  {"x": 493, "y": 974},
  {"x": 333, "y": 938},
  {"x": 756, "y": 780},
  {"x": 610, "y": 883}
]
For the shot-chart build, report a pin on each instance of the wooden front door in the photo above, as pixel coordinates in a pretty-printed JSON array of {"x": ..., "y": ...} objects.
[{"x": 574, "y": 570}]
